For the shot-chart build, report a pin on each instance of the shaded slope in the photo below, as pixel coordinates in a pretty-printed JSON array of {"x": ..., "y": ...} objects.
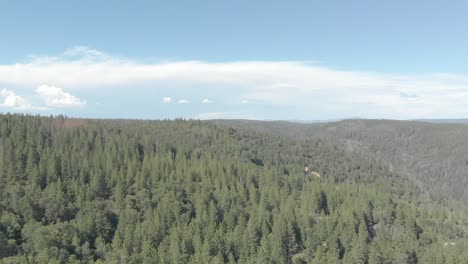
[{"x": 434, "y": 156}]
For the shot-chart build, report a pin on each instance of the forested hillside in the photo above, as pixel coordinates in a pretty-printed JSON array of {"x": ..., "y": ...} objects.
[
  {"x": 123, "y": 191},
  {"x": 434, "y": 156}
]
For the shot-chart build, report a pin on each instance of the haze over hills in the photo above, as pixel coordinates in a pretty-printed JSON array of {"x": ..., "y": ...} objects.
[
  {"x": 433, "y": 155},
  {"x": 446, "y": 120},
  {"x": 318, "y": 121}
]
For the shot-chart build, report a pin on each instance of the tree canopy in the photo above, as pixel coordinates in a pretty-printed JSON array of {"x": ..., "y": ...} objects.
[{"x": 187, "y": 191}]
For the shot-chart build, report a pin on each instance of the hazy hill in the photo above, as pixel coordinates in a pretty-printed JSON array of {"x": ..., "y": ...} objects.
[
  {"x": 433, "y": 155},
  {"x": 445, "y": 121}
]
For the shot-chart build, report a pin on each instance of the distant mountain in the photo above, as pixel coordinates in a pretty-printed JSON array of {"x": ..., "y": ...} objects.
[
  {"x": 434, "y": 155},
  {"x": 445, "y": 121}
]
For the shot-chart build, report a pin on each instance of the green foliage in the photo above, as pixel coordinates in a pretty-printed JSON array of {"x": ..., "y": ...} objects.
[{"x": 107, "y": 191}]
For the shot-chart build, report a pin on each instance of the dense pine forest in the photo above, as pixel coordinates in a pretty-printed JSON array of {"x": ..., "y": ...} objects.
[{"x": 187, "y": 191}]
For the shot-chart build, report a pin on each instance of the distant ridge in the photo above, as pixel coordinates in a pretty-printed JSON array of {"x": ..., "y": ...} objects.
[
  {"x": 433, "y": 153},
  {"x": 429, "y": 120},
  {"x": 445, "y": 121}
]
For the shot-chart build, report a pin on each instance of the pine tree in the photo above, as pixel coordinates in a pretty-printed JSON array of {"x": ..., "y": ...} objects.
[{"x": 360, "y": 247}]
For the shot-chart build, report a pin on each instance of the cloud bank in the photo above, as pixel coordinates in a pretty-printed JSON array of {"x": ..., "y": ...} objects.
[
  {"x": 277, "y": 83},
  {"x": 51, "y": 95}
]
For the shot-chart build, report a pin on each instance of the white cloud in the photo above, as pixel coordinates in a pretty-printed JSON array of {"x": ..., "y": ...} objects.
[
  {"x": 10, "y": 99},
  {"x": 56, "y": 97},
  {"x": 206, "y": 101},
  {"x": 167, "y": 100},
  {"x": 183, "y": 101},
  {"x": 244, "y": 101},
  {"x": 278, "y": 83}
]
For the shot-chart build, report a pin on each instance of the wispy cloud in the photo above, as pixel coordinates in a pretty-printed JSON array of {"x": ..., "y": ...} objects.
[
  {"x": 307, "y": 87},
  {"x": 206, "y": 101},
  {"x": 183, "y": 101}
]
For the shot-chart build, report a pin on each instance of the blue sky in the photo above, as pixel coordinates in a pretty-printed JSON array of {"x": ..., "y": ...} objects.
[{"x": 293, "y": 60}]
